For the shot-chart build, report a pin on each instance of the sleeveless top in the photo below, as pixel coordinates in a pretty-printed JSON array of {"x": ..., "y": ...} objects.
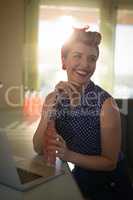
[{"x": 80, "y": 126}]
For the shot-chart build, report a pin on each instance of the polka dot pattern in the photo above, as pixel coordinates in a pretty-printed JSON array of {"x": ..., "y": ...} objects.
[{"x": 80, "y": 126}]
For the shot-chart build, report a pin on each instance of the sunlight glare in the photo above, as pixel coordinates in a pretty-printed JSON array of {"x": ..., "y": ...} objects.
[
  {"x": 56, "y": 31},
  {"x": 52, "y": 35}
]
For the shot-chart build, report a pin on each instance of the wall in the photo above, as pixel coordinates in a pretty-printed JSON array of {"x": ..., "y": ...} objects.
[{"x": 11, "y": 51}]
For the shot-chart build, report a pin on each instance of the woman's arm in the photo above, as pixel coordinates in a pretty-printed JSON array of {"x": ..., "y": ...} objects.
[
  {"x": 110, "y": 142},
  {"x": 50, "y": 101},
  {"x": 38, "y": 138}
]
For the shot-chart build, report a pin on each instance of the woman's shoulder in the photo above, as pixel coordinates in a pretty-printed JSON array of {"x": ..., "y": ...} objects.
[
  {"x": 99, "y": 93},
  {"x": 102, "y": 92}
]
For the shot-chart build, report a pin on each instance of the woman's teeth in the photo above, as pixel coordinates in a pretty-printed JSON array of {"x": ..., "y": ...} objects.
[{"x": 83, "y": 73}]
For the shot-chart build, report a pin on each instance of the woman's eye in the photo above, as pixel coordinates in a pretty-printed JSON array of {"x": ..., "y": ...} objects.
[
  {"x": 92, "y": 59},
  {"x": 77, "y": 56}
]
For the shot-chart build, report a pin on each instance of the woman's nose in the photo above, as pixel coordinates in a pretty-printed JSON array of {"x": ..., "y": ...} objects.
[{"x": 85, "y": 62}]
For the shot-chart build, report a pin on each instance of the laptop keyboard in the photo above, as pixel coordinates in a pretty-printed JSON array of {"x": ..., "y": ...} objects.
[{"x": 26, "y": 176}]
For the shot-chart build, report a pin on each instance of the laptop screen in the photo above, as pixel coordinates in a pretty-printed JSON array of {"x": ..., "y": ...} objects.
[{"x": 26, "y": 176}]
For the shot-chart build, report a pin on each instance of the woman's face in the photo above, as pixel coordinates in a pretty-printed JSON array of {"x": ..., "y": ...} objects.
[{"x": 80, "y": 63}]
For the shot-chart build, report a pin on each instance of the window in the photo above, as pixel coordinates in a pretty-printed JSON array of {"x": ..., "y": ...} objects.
[{"x": 124, "y": 55}]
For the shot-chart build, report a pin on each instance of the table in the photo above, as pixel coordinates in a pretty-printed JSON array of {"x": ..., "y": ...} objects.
[{"x": 20, "y": 131}]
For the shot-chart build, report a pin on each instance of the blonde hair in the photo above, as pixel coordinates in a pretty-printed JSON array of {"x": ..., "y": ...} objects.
[{"x": 81, "y": 35}]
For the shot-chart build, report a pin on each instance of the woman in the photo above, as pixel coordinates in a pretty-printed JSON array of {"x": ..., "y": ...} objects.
[{"x": 87, "y": 123}]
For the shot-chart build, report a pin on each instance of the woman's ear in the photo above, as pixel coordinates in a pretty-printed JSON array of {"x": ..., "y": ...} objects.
[{"x": 63, "y": 63}]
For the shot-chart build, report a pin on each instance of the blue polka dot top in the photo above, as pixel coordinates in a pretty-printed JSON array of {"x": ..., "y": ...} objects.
[{"x": 80, "y": 125}]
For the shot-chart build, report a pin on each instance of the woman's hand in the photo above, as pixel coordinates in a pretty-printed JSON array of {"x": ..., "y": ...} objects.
[
  {"x": 70, "y": 90},
  {"x": 62, "y": 88},
  {"x": 55, "y": 145},
  {"x": 61, "y": 149},
  {"x": 67, "y": 87}
]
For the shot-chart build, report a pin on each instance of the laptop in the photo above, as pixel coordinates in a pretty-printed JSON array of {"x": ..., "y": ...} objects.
[{"x": 23, "y": 174}]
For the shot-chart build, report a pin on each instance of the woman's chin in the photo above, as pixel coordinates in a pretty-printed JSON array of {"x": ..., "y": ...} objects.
[{"x": 81, "y": 82}]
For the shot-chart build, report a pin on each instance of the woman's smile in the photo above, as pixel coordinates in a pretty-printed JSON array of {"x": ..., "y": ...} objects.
[
  {"x": 80, "y": 63},
  {"x": 81, "y": 73}
]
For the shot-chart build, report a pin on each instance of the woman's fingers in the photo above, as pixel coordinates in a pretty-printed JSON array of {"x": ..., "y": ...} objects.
[
  {"x": 51, "y": 127},
  {"x": 73, "y": 87},
  {"x": 59, "y": 152},
  {"x": 54, "y": 141},
  {"x": 62, "y": 88},
  {"x": 66, "y": 87},
  {"x": 56, "y": 144}
]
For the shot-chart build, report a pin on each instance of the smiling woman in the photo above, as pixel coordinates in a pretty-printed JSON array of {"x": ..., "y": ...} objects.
[
  {"x": 79, "y": 57},
  {"x": 86, "y": 121},
  {"x": 81, "y": 75}
]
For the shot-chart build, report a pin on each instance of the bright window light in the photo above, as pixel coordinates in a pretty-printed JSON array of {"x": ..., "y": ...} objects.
[
  {"x": 52, "y": 35},
  {"x": 123, "y": 55},
  {"x": 56, "y": 32}
]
